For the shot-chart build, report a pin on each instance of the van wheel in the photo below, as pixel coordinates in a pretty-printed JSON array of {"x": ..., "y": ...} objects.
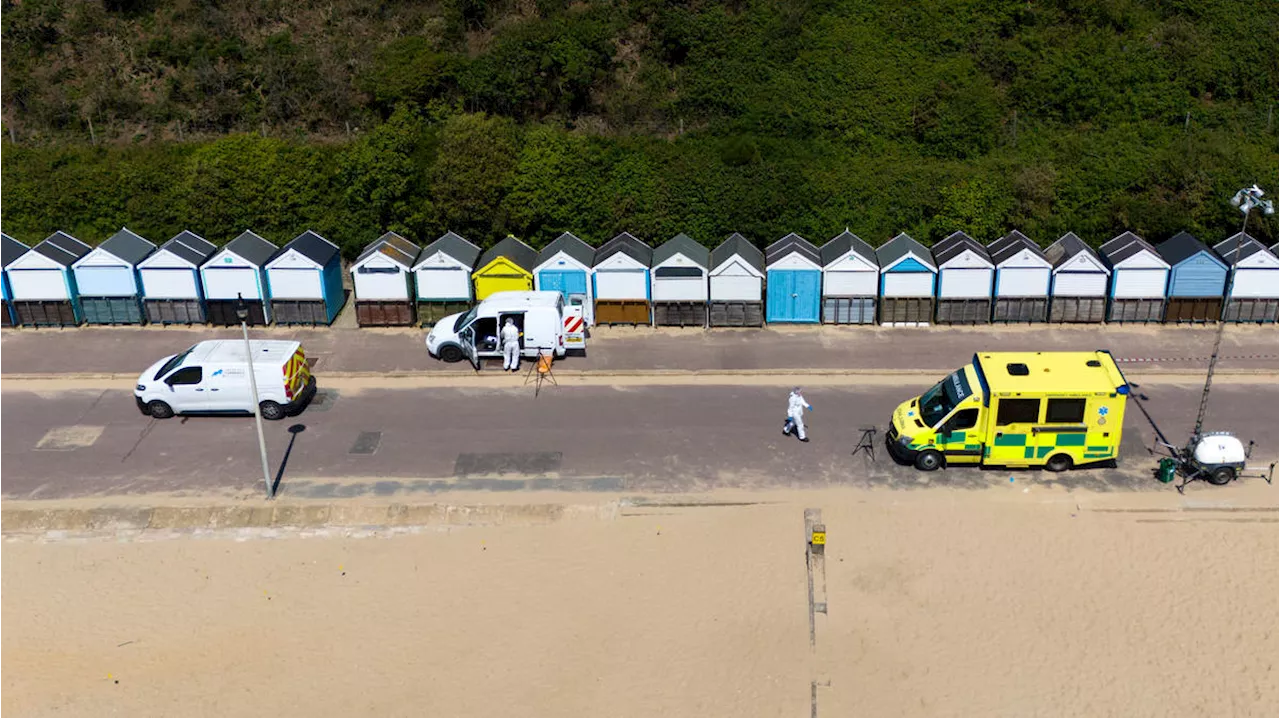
[
  {"x": 1058, "y": 462},
  {"x": 928, "y": 460},
  {"x": 159, "y": 410},
  {"x": 451, "y": 354},
  {"x": 1221, "y": 475},
  {"x": 271, "y": 411}
]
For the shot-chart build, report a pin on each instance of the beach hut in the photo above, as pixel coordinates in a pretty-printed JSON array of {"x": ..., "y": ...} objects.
[
  {"x": 965, "y": 274},
  {"x": 1078, "y": 283},
  {"x": 305, "y": 281},
  {"x": 171, "y": 291},
  {"x": 565, "y": 266},
  {"x": 850, "y": 280},
  {"x": 10, "y": 249},
  {"x": 907, "y": 282},
  {"x": 1253, "y": 289},
  {"x": 680, "y": 283},
  {"x": 108, "y": 281},
  {"x": 42, "y": 284},
  {"x": 736, "y": 284},
  {"x": 793, "y": 281},
  {"x": 506, "y": 267},
  {"x": 382, "y": 277},
  {"x": 1139, "y": 277},
  {"x": 442, "y": 274},
  {"x": 238, "y": 270},
  {"x": 1022, "y": 279},
  {"x": 1197, "y": 280},
  {"x": 621, "y": 278}
]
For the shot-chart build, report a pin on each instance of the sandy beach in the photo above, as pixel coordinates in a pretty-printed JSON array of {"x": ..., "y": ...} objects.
[{"x": 941, "y": 603}]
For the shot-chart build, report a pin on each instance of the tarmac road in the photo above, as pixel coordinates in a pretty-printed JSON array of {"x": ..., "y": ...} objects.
[{"x": 628, "y": 438}]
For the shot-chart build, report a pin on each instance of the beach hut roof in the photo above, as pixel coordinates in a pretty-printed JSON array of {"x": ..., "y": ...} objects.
[
  {"x": 11, "y": 248},
  {"x": 900, "y": 246},
  {"x": 954, "y": 245},
  {"x": 627, "y": 244},
  {"x": 1011, "y": 244},
  {"x": 519, "y": 253},
  {"x": 313, "y": 247},
  {"x": 62, "y": 248},
  {"x": 190, "y": 247},
  {"x": 682, "y": 244},
  {"x": 1248, "y": 246},
  {"x": 127, "y": 246},
  {"x": 1067, "y": 246},
  {"x": 393, "y": 247},
  {"x": 846, "y": 242},
  {"x": 736, "y": 244},
  {"x": 1124, "y": 246},
  {"x": 577, "y": 249},
  {"x": 252, "y": 248},
  {"x": 454, "y": 246},
  {"x": 792, "y": 244},
  {"x": 1181, "y": 247}
]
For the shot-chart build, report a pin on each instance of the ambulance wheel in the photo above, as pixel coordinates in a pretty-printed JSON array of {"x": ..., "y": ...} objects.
[
  {"x": 1058, "y": 462},
  {"x": 451, "y": 354},
  {"x": 1221, "y": 475},
  {"x": 928, "y": 460},
  {"x": 159, "y": 410},
  {"x": 271, "y": 411}
]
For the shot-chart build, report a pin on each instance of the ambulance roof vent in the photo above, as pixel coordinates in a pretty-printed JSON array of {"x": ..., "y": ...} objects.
[
  {"x": 1093, "y": 362},
  {"x": 1018, "y": 369}
]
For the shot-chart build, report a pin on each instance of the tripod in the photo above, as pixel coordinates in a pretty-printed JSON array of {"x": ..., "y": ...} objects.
[{"x": 867, "y": 442}]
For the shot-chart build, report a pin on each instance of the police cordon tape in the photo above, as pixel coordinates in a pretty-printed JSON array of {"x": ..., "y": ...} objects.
[{"x": 373, "y": 380}]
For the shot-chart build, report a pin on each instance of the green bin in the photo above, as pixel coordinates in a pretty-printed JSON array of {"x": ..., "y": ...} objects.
[{"x": 1168, "y": 469}]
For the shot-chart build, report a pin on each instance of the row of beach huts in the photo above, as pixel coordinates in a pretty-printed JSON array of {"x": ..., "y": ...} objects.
[{"x": 61, "y": 281}]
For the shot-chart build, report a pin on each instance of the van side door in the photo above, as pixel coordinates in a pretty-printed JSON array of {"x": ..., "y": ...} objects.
[
  {"x": 527, "y": 342},
  {"x": 1012, "y": 443},
  {"x": 187, "y": 391}
]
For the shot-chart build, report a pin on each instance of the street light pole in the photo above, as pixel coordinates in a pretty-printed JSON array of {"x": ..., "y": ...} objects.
[{"x": 242, "y": 313}]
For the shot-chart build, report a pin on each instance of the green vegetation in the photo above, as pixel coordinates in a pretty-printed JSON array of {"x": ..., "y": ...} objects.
[{"x": 531, "y": 117}]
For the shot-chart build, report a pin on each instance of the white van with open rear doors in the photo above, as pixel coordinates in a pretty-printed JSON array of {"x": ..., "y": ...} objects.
[
  {"x": 546, "y": 323},
  {"x": 213, "y": 378}
]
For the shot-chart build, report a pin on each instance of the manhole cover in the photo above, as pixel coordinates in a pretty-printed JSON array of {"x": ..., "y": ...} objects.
[
  {"x": 67, "y": 438},
  {"x": 531, "y": 463},
  {"x": 323, "y": 400},
  {"x": 366, "y": 443}
]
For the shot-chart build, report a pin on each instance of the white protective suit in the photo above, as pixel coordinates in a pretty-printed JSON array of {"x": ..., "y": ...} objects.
[
  {"x": 510, "y": 347},
  {"x": 796, "y": 406}
]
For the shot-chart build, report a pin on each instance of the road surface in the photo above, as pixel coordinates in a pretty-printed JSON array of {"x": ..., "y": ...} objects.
[{"x": 627, "y": 438}]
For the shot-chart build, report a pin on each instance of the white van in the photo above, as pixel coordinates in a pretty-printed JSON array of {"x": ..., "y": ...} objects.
[
  {"x": 545, "y": 323},
  {"x": 212, "y": 378}
]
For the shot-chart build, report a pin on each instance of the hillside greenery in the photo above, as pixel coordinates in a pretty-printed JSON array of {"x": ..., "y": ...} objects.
[{"x": 534, "y": 117}]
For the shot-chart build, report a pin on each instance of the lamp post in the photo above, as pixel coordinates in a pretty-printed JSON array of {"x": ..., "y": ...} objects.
[
  {"x": 242, "y": 313},
  {"x": 1245, "y": 200}
]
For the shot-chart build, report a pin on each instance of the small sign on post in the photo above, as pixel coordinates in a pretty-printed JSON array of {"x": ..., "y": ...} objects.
[{"x": 818, "y": 538}]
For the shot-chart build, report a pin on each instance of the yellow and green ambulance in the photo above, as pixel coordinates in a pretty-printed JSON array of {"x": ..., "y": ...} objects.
[{"x": 1050, "y": 409}]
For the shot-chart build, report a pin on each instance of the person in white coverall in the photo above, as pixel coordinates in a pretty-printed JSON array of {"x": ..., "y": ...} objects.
[
  {"x": 796, "y": 406},
  {"x": 510, "y": 346}
]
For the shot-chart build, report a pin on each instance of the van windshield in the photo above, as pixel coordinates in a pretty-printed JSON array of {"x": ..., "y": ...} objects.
[
  {"x": 465, "y": 319},
  {"x": 936, "y": 403},
  {"x": 173, "y": 363}
]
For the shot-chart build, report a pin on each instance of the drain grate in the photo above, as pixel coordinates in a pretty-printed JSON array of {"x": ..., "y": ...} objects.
[{"x": 366, "y": 443}]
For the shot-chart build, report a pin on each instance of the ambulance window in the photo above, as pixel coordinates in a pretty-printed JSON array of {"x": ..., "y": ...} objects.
[
  {"x": 186, "y": 375},
  {"x": 963, "y": 419},
  {"x": 1018, "y": 411},
  {"x": 1064, "y": 411}
]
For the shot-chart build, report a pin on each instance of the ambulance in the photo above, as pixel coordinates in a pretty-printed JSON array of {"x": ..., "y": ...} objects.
[
  {"x": 1016, "y": 409},
  {"x": 545, "y": 322},
  {"x": 212, "y": 377}
]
